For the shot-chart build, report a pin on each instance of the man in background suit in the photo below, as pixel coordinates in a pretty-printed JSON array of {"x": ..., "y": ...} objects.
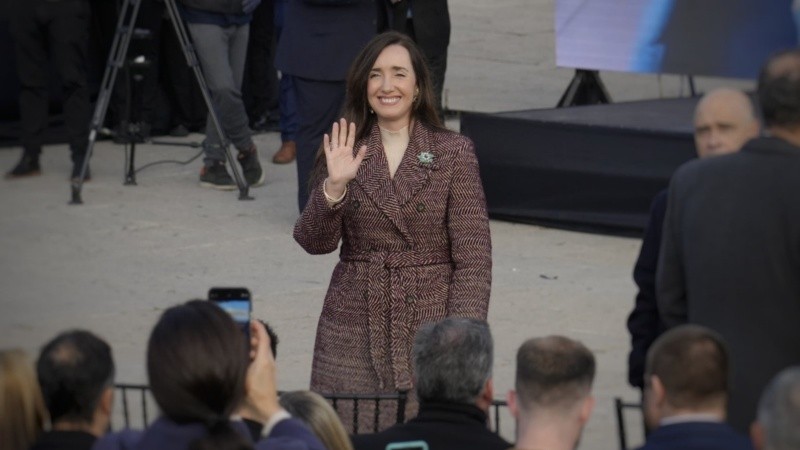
[
  {"x": 686, "y": 389},
  {"x": 319, "y": 41},
  {"x": 724, "y": 120},
  {"x": 730, "y": 256}
]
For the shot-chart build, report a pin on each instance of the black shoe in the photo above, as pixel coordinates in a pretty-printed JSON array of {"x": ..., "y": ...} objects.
[
  {"x": 265, "y": 124},
  {"x": 26, "y": 167},
  {"x": 251, "y": 167},
  {"x": 179, "y": 131},
  {"x": 76, "y": 173},
  {"x": 216, "y": 176}
]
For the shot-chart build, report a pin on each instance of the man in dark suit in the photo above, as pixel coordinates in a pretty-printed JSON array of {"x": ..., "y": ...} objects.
[
  {"x": 48, "y": 31},
  {"x": 552, "y": 400},
  {"x": 778, "y": 425},
  {"x": 724, "y": 120},
  {"x": 319, "y": 40},
  {"x": 76, "y": 373},
  {"x": 686, "y": 391},
  {"x": 730, "y": 257},
  {"x": 453, "y": 362}
]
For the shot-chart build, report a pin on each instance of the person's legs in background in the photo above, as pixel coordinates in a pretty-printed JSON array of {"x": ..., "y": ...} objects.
[
  {"x": 260, "y": 82},
  {"x": 318, "y": 106},
  {"x": 30, "y": 47},
  {"x": 68, "y": 34},
  {"x": 186, "y": 100},
  {"x": 222, "y": 52},
  {"x": 287, "y": 100}
]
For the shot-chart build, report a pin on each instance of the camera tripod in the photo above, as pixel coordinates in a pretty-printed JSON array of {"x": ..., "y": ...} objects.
[{"x": 116, "y": 60}]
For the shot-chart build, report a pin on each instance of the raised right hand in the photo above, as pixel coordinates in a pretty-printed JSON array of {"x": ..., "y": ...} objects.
[{"x": 342, "y": 165}]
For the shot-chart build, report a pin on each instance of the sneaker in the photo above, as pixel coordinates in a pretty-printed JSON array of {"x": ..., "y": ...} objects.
[
  {"x": 286, "y": 154},
  {"x": 251, "y": 168},
  {"x": 216, "y": 176},
  {"x": 76, "y": 173},
  {"x": 27, "y": 166}
]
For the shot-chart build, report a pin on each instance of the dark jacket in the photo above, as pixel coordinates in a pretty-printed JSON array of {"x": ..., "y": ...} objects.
[
  {"x": 431, "y": 20},
  {"x": 443, "y": 426},
  {"x": 730, "y": 260},
  {"x": 289, "y": 434},
  {"x": 644, "y": 324},
  {"x": 696, "y": 436},
  {"x": 320, "y": 42},
  {"x": 64, "y": 440}
]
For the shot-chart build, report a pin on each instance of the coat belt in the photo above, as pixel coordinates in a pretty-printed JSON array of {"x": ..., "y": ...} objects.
[
  {"x": 398, "y": 259},
  {"x": 382, "y": 266}
]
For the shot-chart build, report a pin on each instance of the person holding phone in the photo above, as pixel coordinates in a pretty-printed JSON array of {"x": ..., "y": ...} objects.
[
  {"x": 201, "y": 384},
  {"x": 404, "y": 197}
]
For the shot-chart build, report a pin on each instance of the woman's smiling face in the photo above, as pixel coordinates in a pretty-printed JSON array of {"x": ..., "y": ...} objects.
[{"x": 392, "y": 87}]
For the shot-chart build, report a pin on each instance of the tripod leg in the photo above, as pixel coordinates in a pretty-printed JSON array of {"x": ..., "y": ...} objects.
[
  {"x": 191, "y": 60},
  {"x": 116, "y": 58},
  {"x": 130, "y": 169}
]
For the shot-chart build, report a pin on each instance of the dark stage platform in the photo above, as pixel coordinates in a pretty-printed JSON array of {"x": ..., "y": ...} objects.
[{"x": 593, "y": 166}]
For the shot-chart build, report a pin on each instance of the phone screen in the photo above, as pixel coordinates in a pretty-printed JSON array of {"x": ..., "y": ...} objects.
[
  {"x": 236, "y": 302},
  {"x": 239, "y": 310}
]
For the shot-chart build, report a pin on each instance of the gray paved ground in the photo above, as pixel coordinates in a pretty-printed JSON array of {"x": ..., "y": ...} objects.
[{"x": 113, "y": 264}]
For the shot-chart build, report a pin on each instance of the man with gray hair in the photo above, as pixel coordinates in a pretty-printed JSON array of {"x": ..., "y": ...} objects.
[
  {"x": 777, "y": 426},
  {"x": 552, "y": 400},
  {"x": 453, "y": 367}
]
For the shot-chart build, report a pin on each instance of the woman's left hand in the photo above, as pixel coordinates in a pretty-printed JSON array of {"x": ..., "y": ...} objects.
[{"x": 261, "y": 398}]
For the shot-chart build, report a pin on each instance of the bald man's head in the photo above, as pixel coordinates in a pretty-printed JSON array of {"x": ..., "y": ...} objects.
[{"x": 723, "y": 121}]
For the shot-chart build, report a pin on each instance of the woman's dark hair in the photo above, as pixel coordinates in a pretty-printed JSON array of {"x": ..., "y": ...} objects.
[
  {"x": 356, "y": 107},
  {"x": 197, "y": 368}
]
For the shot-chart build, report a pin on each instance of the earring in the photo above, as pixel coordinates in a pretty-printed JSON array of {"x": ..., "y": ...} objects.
[{"x": 371, "y": 111}]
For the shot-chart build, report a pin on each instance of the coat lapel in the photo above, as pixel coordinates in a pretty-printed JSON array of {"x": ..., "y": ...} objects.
[
  {"x": 373, "y": 177},
  {"x": 412, "y": 175}
]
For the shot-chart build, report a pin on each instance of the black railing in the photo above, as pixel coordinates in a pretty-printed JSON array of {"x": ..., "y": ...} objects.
[
  {"x": 620, "y": 406},
  {"x": 130, "y": 395}
]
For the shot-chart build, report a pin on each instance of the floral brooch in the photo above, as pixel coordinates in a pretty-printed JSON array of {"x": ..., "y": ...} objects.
[{"x": 425, "y": 158}]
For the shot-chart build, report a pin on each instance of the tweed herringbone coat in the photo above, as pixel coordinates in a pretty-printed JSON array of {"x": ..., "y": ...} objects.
[{"x": 414, "y": 249}]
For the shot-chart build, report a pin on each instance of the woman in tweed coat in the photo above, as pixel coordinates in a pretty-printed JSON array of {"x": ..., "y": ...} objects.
[{"x": 411, "y": 218}]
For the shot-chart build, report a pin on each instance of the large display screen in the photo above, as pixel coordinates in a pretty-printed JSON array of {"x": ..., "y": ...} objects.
[{"x": 729, "y": 38}]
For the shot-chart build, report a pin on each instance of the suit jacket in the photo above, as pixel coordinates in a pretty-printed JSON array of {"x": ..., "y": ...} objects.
[
  {"x": 288, "y": 434},
  {"x": 696, "y": 436},
  {"x": 414, "y": 249},
  {"x": 644, "y": 323},
  {"x": 64, "y": 440},
  {"x": 320, "y": 42},
  {"x": 431, "y": 19},
  {"x": 443, "y": 426},
  {"x": 730, "y": 260}
]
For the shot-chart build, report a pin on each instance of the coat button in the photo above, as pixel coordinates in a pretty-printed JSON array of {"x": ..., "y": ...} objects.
[
  {"x": 411, "y": 299},
  {"x": 356, "y": 204},
  {"x": 420, "y": 207}
]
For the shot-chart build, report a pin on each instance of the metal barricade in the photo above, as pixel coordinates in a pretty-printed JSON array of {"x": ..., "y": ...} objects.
[{"x": 135, "y": 407}]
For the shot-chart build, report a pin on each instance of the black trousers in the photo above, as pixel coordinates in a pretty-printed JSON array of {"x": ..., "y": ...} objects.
[
  {"x": 56, "y": 30},
  {"x": 318, "y": 105},
  {"x": 260, "y": 83}
]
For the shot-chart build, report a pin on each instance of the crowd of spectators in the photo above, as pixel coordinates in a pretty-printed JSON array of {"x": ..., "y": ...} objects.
[{"x": 715, "y": 351}]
